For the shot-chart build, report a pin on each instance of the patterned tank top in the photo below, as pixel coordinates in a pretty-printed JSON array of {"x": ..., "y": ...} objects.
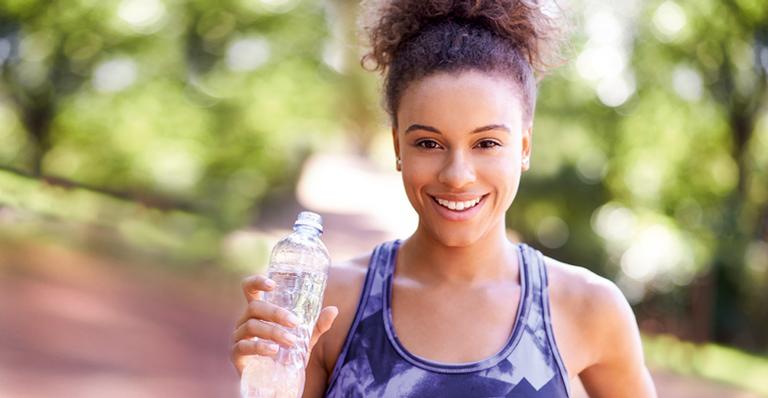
[{"x": 374, "y": 363}]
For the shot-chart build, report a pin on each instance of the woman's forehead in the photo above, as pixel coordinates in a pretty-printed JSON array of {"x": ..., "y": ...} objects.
[{"x": 463, "y": 100}]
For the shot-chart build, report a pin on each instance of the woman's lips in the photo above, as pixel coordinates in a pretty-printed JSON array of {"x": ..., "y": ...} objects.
[{"x": 458, "y": 210}]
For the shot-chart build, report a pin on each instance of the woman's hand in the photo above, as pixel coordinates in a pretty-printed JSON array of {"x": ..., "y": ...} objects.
[{"x": 260, "y": 320}]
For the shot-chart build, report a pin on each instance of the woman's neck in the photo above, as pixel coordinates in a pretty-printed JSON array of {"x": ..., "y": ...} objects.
[{"x": 491, "y": 258}]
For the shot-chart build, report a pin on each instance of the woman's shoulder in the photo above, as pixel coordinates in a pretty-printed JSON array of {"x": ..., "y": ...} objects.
[
  {"x": 591, "y": 309},
  {"x": 343, "y": 290},
  {"x": 585, "y": 293},
  {"x": 580, "y": 285},
  {"x": 346, "y": 276}
]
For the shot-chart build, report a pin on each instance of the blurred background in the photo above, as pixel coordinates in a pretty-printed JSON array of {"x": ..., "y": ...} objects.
[{"x": 152, "y": 151}]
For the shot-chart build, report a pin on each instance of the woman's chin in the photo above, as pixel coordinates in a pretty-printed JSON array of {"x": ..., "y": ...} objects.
[{"x": 457, "y": 240}]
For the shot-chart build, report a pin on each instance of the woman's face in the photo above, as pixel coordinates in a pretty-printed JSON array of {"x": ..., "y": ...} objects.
[{"x": 463, "y": 145}]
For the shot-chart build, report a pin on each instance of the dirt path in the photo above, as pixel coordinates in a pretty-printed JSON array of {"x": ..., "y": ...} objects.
[{"x": 76, "y": 325}]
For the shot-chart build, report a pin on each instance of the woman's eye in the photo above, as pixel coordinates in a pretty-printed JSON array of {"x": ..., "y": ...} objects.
[
  {"x": 428, "y": 144},
  {"x": 487, "y": 144}
]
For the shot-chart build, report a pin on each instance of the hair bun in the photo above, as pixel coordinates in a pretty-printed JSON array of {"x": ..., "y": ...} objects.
[{"x": 526, "y": 23}]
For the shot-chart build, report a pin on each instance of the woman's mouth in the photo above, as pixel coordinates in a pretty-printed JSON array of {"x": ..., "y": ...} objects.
[
  {"x": 458, "y": 206},
  {"x": 458, "y": 210}
]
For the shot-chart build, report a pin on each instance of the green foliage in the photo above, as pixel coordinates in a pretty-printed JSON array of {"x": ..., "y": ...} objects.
[
  {"x": 711, "y": 361},
  {"x": 198, "y": 103},
  {"x": 81, "y": 216},
  {"x": 665, "y": 186}
]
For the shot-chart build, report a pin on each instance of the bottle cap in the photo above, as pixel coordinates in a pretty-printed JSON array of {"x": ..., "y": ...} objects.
[{"x": 309, "y": 219}]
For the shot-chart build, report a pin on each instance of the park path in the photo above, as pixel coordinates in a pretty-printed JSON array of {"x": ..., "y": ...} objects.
[{"x": 79, "y": 324}]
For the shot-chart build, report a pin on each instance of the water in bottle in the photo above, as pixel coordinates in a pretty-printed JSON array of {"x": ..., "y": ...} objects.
[{"x": 299, "y": 266}]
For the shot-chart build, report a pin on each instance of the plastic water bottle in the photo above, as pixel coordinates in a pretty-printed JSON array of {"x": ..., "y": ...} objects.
[{"x": 299, "y": 266}]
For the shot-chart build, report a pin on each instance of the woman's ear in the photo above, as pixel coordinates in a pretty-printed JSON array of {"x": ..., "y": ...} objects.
[
  {"x": 526, "y": 147},
  {"x": 396, "y": 143}
]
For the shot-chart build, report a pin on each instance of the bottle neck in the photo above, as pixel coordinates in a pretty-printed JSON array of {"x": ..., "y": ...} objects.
[{"x": 307, "y": 230}]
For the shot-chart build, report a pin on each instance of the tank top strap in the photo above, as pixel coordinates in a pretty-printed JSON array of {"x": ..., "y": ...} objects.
[
  {"x": 539, "y": 318},
  {"x": 534, "y": 319},
  {"x": 384, "y": 260},
  {"x": 531, "y": 265}
]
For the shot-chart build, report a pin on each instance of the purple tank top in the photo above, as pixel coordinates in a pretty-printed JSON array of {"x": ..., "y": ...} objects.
[{"x": 373, "y": 362}]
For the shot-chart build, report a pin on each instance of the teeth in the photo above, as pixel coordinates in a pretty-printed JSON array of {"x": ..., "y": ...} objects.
[{"x": 458, "y": 205}]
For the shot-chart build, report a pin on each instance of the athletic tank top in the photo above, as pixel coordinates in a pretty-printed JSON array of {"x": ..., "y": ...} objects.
[{"x": 373, "y": 362}]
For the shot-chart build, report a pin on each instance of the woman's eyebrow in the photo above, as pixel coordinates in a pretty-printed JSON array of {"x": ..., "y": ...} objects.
[
  {"x": 477, "y": 130},
  {"x": 422, "y": 127},
  {"x": 491, "y": 127}
]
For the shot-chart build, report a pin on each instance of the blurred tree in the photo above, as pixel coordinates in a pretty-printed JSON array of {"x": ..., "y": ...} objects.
[
  {"x": 650, "y": 147},
  {"x": 198, "y": 105},
  {"x": 358, "y": 101},
  {"x": 712, "y": 71}
]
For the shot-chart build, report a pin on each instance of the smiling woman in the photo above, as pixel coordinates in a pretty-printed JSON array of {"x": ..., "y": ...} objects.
[{"x": 456, "y": 309}]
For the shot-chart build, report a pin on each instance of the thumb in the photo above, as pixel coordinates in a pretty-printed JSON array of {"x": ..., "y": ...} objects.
[{"x": 324, "y": 322}]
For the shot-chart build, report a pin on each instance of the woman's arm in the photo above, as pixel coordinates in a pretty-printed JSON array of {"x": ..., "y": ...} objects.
[{"x": 619, "y": 369}]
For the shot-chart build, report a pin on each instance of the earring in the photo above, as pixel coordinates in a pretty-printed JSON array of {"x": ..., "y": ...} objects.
[{"x": 399, "y": 164}]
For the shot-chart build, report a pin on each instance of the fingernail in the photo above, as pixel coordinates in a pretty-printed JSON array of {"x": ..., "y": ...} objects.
[
  {"x": 293, "y": 319},
  {"x": 270, "y": 283},
  {"x": 272, "y": 347}
]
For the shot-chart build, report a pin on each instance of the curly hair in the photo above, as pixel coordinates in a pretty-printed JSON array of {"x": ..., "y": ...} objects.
[{"x": 412, "y": 39}]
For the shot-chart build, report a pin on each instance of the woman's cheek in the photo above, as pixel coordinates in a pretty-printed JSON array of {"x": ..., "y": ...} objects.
[
  {"x": 419, "y": 170},
  {"x": 502, "y": 175},
  {"x": 412, "y": 184}
]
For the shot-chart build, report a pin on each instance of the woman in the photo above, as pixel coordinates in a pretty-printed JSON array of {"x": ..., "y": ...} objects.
[{"x": 457, "y": 310}]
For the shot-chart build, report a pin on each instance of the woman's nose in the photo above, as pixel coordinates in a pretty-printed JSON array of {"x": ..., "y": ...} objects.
[{"x": 458, "y": 171}]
